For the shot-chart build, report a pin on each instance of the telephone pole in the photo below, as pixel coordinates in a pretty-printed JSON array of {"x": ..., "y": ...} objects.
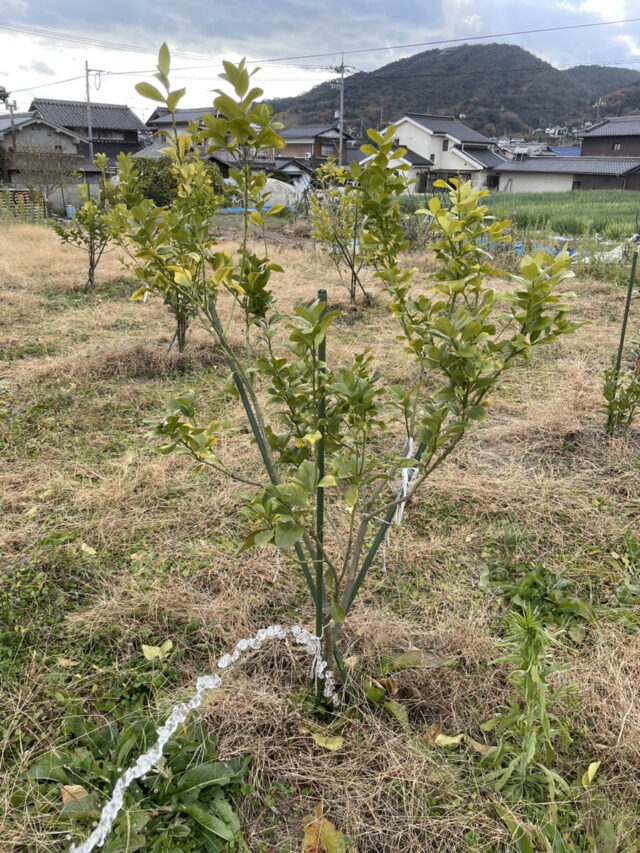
[
  {"x": 341, "y": 143},
  {"x": 89, "y": 126},
  {"x": 340, "y": 85},
  {"x": 10, "y": 105}
]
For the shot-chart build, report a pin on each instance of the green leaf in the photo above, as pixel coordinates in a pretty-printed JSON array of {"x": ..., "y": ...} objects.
[
  {"x": 400, "y": 713},
  {"x": 174, "y": 98},
  {"x": 206, "y": 819},
  {"x": 263, "y": 537},
  {"x": 288, "y": 534},
  {"x": 336, "y": 612},
  {"x": 414, "y": 658},
  {"x": 204, "y": 775},
  {"x": 164, "y": 59},
  {"x": 150, "y": 92}
]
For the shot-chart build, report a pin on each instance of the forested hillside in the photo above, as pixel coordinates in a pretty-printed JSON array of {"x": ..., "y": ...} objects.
[{"x": 499, "y": 88}]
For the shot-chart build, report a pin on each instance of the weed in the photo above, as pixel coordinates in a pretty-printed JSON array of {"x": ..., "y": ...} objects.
[{"x": 185, "y": 805}]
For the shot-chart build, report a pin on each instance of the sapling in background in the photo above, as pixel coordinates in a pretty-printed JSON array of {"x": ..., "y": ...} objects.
[
  {"x": 334, "y": 439},
  {"x": 172, "y": 244},
  {"x": 336, "y": 223},
  {"x": 90, "y": 228}
]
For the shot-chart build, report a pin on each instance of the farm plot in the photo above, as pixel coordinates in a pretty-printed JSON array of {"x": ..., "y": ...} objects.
[{"x": 122, "y": 583}]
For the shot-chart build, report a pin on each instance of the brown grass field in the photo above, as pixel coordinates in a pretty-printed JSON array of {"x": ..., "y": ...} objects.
[{"x": 81, "y": 382}]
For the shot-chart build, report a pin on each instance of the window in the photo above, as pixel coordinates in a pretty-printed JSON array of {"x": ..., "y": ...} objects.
[
  {"x": 616, "y": 146},
  {"x": 445, "y": 144},
  {"x": 58, "y": 148},
  {"x": 327, "y": 149}
]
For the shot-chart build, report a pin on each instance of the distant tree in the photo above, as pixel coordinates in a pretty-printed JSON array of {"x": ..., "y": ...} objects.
[
  {"x": 44, "y": 169},
  {"x": 157, "y": 179}
]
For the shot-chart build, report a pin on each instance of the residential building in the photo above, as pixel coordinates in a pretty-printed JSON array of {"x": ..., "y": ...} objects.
[
  {"x": 318, "y": 141},
  {"x": 447, "y": 148},
  {"x": 613, "y": 137},
  {"x": 115, "y": 128},
  {"x": 559, "y": 174},
  {"x": 39, "y": 154}
]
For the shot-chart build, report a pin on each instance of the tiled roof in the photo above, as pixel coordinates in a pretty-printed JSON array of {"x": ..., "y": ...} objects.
[
  {"x": 182, "y": 116},
  {"x": 18, "y": 119},
  {"x": 305, "y": 131},
  {"x": 573, "y": 165},
  {"x": 74, "y": 114},
  {"x": 615, "y": 126},
  {"x": 449, "y": 125},
  {"x": 485, "y": 156}
]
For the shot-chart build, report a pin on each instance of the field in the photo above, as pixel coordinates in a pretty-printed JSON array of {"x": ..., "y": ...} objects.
[
  {"x": 609, "y": 213},
  {"x": 108, "y": 546}
]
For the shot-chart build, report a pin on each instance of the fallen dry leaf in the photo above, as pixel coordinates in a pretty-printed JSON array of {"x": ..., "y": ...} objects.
[{"x": 73, "y": 792}]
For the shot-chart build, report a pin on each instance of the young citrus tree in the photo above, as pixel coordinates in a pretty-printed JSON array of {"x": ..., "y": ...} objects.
[
  {"x": 336, "y": 223},
  {"x": 89, "y": 229},
  {"x": 171, "y": 246},
  {"x": 336, "y": 441}
]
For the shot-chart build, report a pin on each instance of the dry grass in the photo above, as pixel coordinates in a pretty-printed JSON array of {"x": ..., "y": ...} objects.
[{"x": 538, "y": 482}]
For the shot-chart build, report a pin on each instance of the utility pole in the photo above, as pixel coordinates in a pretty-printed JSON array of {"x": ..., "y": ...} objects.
[
  {"x": 10, "y": 105},
  {"x": 341, "y": 145},
  {"x": 89, "y": 126},
  {"x": 340, "y": 85}
]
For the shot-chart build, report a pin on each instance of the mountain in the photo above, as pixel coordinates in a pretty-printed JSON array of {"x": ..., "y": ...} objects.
[
  {"x": 601, "y": 79},
  {"x": 499, "y": 88}
]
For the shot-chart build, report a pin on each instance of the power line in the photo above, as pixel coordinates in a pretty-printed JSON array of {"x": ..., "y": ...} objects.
[{"x": 82, "y": 39}]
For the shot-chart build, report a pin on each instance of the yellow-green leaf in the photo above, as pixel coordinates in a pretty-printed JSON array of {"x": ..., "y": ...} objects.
[
  {"x": 351, "y": 495},
  {"x": 139, "y": 295},
  {"x": 448, "y": 741},
  {"x": 157, "y": 652},
  {"x": 589, "y": 775},
  {"x": 87, "y": 549},
  {"x": 330, "y": 742}
]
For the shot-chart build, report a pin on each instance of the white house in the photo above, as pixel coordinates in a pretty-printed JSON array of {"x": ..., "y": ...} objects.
[
  {"x": 560, "y": 174},
  {"x": 446, "y": 148}
]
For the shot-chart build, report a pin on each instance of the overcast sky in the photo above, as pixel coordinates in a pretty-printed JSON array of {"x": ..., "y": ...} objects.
[{"x": 204, "y": 32}]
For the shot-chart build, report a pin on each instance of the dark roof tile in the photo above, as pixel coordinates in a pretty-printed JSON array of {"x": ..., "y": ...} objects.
[
  {"x": 74, "y": 114},
  {"x": 449, "y": 125},
  {"x": 615, "y": 126},
  {"x": 573, "y": 165}
]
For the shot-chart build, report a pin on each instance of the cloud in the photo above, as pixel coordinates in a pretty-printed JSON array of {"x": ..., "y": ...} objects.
[
  {"x": 289, "y": 28},
  {"x": 39, "y": 68}
]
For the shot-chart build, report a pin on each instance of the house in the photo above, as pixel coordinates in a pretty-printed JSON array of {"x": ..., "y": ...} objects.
[
  {"x": 447, "y": 148},
  {"x": 42, "y": 157},
  {"x": 559, "y": 174},
  {"x": 161, "y": 118},
  {"x": 115, "y": 128},
  {"x": 315, "y": 141},
  {"x": 417, "y": 168},
  {"x": 612, "y": 137}
]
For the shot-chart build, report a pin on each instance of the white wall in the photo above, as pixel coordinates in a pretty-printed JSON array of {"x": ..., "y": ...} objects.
[
  {"x": 41, "y": 136},
  {"x": 534, "y": 182}
]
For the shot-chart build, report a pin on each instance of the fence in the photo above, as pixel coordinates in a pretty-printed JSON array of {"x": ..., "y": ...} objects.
[{"x": 17, "y": 205}]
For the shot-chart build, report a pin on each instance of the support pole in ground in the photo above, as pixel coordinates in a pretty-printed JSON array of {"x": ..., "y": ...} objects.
[
  {"x": 623, "y": 334},
  {"x": 321, "y": 415}
]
